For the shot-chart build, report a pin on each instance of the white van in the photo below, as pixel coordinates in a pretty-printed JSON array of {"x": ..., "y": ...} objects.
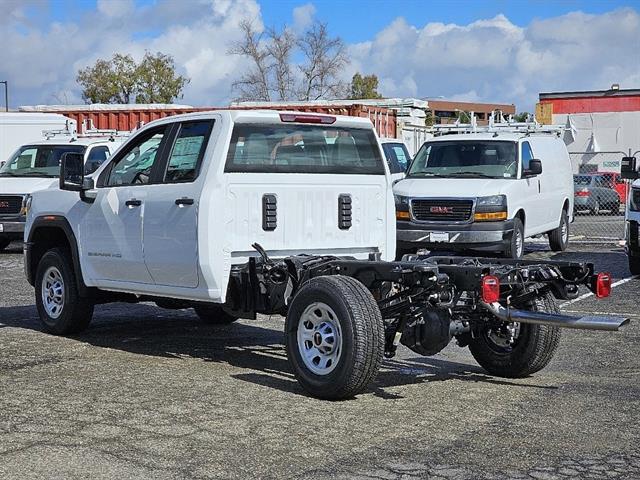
[
  {"x": 36, "y": 166},
  {"x": 487, "y": 190}
]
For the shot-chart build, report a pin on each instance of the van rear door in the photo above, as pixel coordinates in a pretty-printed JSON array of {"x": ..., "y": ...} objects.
[{"x": 308, "y": 184}]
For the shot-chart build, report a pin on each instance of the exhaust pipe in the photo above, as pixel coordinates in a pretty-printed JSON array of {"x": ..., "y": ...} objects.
[{"x": 611, "y": 324}]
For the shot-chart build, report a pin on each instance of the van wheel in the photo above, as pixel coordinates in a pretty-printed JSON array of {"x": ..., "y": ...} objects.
[
  {"x": 634, "y": 265},
  {"x": 515, "y": 247},
  {"x": 334, "y": 336},
  {"x": 559, "y": 238},
  {"x": 532, "y": 350},
  {"x": 60, "y": 307},
  {"x": 213, "y": 315}
]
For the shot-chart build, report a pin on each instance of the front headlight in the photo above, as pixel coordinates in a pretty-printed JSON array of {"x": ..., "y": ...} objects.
[
  {"x": 26, "y": 205},
  {"x": 491, "y": 209},
  {"x": 401, "y": 201},
  {"x": 492, "y": 201}
]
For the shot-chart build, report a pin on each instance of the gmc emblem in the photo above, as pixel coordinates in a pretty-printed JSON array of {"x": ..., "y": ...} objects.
[
  {"x": 4, "y": 205},
  {"x": 441, "y": 210}
]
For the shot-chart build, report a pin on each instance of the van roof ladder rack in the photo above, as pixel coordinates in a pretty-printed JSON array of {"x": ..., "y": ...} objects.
[{"x": 497, "y": 124}]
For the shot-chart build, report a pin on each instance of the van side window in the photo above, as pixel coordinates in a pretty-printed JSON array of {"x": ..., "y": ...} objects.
[
  {"x": 526, "y": 156},
  {"x": 97, "y": 156}
]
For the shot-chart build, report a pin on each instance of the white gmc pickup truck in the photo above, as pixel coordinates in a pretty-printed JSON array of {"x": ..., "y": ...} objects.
[{"x": 239, "y": 213}]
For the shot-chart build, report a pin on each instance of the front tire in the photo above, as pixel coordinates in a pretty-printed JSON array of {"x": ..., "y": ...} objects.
[
  {"x": 334, "y": 337},
  {"x": 515, "y": 247},
  {"x": 634, "y": 265},
  {"x": 532, "y": 350},
  {"x": 61, "y": 309},
  {"x": 214, "y": 315},
  {"x": 559, "y": 238}
]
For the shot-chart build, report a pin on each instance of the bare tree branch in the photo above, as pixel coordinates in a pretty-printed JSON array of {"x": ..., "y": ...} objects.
[
  {"x": 280, "y": 49},
  {"x": 253, "y": 85}
]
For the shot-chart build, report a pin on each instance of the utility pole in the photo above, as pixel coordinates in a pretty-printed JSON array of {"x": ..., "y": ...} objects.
[{"x": 6, "y": 94}]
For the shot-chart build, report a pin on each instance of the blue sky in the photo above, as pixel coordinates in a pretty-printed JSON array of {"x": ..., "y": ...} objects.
[{"x": 503, "y": 51}]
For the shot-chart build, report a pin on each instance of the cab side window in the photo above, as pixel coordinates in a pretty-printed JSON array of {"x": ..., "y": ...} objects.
[
  {"x": 188, "y": 150},
  {"x": 526, "y": 155},
  {"x": 97, "y": 156},
  {"x": 134, "y": 165}
]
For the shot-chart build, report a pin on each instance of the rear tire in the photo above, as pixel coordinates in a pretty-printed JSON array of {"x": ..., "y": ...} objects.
[
  {"x": 532, "y": 351},
  {"x": 334, "y": 336},
  {"x": 61, "y": 309},
  {"x": 634, "y": 265},
  {"x": 214, "y": 315},
  {"x": 515, "y": 247},
  {"x": 559, "y": 238}
]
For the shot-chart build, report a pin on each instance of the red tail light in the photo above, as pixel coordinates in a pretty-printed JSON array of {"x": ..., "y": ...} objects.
[
  {"x": 490, "y": 289},
  {"x": 603, "y": 285},
  {"x": 296, "y": 117},
  {"x": 583, "y": 193}
]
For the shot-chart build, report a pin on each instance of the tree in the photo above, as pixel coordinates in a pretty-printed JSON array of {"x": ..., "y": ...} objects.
[
  {"x": 521, "y": 117},
  {"x": 363, "y": 87},
  {"x": 272, "y": 72},
  {"x": 121, "y": 80},
  {"x": 157, "y": 80}
]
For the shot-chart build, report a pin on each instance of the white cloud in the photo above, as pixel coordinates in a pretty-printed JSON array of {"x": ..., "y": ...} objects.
[
  {"x": 487, "y": 60},
  {"x": 495, "y": 60},
  {"x": 303, "y": 16}
]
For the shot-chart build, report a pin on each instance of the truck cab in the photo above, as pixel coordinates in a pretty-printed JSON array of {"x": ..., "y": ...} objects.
[{"x": 36, "y": 166}]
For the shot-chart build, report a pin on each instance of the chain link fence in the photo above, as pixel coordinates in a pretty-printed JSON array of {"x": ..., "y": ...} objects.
[{"x": 599, "y": 202}]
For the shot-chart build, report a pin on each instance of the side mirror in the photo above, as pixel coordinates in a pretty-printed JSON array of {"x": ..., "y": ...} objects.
[
  {"x": 628, "y": 169},
  {"x": 72, "y": 172},
  {"x": 535, "y": 168}
]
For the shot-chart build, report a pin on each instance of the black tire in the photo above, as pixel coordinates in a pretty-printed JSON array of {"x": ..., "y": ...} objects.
[
  {"x": 514, "y": 249},
  {"x": 634, "y": 265},
  {"x": 559, "y": 238},
  {"x": 4, "y": 243},
  {"x": 75, "y": 312},
  {"x": 214, "y": 315},
  {"x": 595, "y": 210},
  {"x": 533, "y": 349},
  {"x": 359, "y": 324}
]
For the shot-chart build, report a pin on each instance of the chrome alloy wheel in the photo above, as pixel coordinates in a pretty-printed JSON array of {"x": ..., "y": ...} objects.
[
  {"x": 519, "y": 243},
  {"x": 53, "y": 292},
  {"x": 565, "y": 231},
  {"x": 319, "y": 338}
]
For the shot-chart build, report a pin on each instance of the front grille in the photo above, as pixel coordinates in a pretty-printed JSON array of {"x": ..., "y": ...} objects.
[
  {"x": 441, "y": 210},
  {"x": 10, "y": 204}
]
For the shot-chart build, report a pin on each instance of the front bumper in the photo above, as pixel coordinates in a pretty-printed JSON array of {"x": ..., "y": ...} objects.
[
  {"x": 472, "y": 235},
  {"x": 13, "y": 228}
]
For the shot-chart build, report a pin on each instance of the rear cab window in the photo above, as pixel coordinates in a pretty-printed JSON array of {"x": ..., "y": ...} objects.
[{"x": 295, "y": 148}]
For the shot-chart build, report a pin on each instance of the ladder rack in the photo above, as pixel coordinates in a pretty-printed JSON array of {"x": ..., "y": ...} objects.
[{"x": 498, "y": 123}]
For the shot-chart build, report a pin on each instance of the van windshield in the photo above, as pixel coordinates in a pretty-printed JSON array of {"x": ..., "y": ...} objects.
[
  {"x": 468, "y": 158},
  {"x": 304, "y": 149},
  {"x": 37, "y": 160}
]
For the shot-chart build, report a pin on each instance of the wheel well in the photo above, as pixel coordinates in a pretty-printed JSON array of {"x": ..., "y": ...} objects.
[
  {"x": 44, "y": 239},
  {"x": 521, "y": 215},
  {"x": 565, "y": 207}
]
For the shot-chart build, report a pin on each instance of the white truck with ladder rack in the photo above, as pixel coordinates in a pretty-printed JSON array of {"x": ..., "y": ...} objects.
[
  {"x": 239, "y": 213},
  {"x": 486, "y": 188}
]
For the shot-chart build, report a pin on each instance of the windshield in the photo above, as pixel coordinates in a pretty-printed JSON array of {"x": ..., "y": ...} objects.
[
  {"x": 304, "y": 149},
  {"x": 492, "y": 159},
  {"x": 37, "y": 160},
  {"x": 582, "y": 180}
]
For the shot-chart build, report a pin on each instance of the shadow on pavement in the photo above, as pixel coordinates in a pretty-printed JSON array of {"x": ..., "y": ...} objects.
[{"x": 147, "y": 330}]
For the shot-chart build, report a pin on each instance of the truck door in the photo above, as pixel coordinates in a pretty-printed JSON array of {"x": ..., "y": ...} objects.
[
  {"x": 534, "y": 204},
  {"x": 170, "y": 223},
  {"x": 112, "y": 229}
]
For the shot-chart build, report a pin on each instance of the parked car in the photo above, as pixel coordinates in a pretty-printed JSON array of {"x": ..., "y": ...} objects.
[
  {"x": 594, "y": 193},
  {"x": 487, "y": 190},
  {"x": 398, "y": 157},
  {"x": 36, "y": 166},
  {"x": 183, "y": 232}
]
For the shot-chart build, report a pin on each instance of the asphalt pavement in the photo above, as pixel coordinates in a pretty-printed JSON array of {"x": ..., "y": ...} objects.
[{"x": 148, "y": 393}]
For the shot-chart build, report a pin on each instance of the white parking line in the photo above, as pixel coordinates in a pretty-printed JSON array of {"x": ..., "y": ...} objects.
[{"x": 590, "y": 294}]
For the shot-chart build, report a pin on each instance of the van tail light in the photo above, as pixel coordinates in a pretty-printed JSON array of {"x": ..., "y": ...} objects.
[
  {"x": 304, "y": 118},
  {"x": 583, "y": 193},
  {"x": 490, "y": 289},
  {"x": 603, "y": 285}
]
